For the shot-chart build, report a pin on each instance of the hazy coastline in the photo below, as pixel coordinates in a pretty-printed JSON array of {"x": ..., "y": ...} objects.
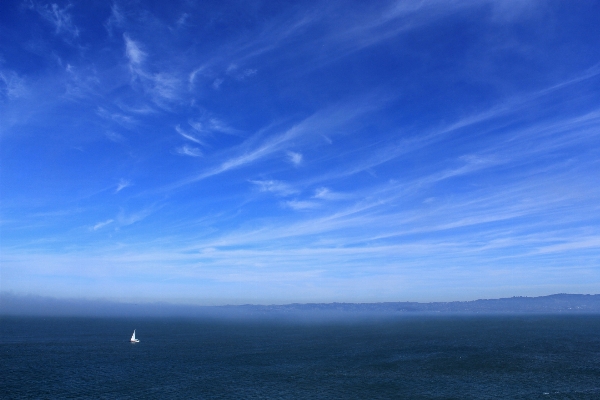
[{"x": 18, "y": 305}]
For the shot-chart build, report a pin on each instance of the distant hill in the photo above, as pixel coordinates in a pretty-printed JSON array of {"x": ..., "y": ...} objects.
[{"x": 554, "y": 304}]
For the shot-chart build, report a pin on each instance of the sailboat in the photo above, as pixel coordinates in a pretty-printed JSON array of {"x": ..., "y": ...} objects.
[{"x": 133, "y": 339}]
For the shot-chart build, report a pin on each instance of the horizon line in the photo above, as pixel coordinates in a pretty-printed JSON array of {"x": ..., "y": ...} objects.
[{"x": 12, "y": 305}]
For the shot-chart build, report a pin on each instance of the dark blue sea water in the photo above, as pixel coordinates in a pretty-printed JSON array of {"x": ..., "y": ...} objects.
[{"x": 459, "y": 357}]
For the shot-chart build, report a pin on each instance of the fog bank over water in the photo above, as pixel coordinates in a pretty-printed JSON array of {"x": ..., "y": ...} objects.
[{"x": 16, "y": 305}]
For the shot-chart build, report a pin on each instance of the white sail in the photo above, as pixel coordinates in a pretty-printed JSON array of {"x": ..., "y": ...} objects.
[{"x": 133, "y": 339}]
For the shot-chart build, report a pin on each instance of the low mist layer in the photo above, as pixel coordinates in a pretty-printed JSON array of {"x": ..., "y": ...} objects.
[{"x": 11, "y": 304}]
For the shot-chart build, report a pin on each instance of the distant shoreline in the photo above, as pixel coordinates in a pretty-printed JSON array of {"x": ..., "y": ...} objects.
[{"x": 562, "y": 303}]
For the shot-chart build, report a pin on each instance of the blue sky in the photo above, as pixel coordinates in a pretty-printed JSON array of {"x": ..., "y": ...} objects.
[{"x": 275, "y": 152}]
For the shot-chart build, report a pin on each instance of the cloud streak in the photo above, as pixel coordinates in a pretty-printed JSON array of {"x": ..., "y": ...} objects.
[
  {"x": 101, "y": 225},
  {"x": 163, "y": 87},
  {"x": 122, "y": 185},
  {"x": 58, "y": 17},
  {"x": 188, "y": 136},
  {"x": 186, "y": 150},
  {"x": 275, "y": 187}
]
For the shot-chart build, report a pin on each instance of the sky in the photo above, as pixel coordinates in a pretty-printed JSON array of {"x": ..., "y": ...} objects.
[{"x": 231, "y": 152}]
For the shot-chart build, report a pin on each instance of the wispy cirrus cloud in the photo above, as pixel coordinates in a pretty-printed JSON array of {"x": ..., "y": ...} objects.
[
  {"x": 101, "y": 225},
  {"x": 335, "y": 119},
  {"x": 12, "y": 86},
  {"x": 216, "y": 125},
  {"x": 182, "y": 21},
  {"x": 276, "y": 187},
  {"x": 234, "y": 71},
  {"x": 163, "y": 87},
  {"x": 59, "y": 17},
  {"x": 217, "y": 83},
  {"x": 122, "y": 185},
  {"x": 206, "y": 127},
  {"x": 119, "y": 118},
  {"x": 81, "y": 84},
  {"x": 301, "y": 205},
  {"x": 188, "y": 135},
  {"x": 294, "y": 157},
  {"x": 510, "y": 145},
  {"x": 187, "y": 150},
  {"x": 193, "y": 76},
  {"x": 134, "y": 53},
  {"x": 125, "y": 218},
  {"x": 115, "y": 20},
  {"x": 114, "y": 136},
  {"x": 324, "y": 193},
  {"x": 590, "y": 242},
  {"x": 341, "y": 35},
  {"x": 510, "y": 201}
]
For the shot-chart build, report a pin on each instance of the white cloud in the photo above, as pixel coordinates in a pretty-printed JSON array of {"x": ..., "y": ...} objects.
[
  {"x": 11, "y": 85},
  {"x": 231, "y": 68},
  {"x": 142, "y": 109},
  {"x": 182, "y": 20},
  {"x": 507, "y": 10},
  {"x": 245, "y": 74},
  {"x": 121, "y": 119},
  {"x": 187, "y": 135},
  {"x": 276, "y": 187},
  {"x": 82, "y": 82},
  {"x": 217, "y": 125},
  {"x": 217, "y": 83},
  {"x": 233, "y": 71},
  {"x": 102, "y": 224},
  {"x": 122, "y": 185},
  {"x": 186, "y": 150},
  {"x": 324, "y": 193},
  {"x": 301, "y": 205},
  {"x": 59, "y": 17},
  {"x": 255, "y": 148},
  {"x": 295, "y": 158},
  {"x": 193, "y": 75},
  {"x": 165, "y": 86},
  {"x": 198, "y": 126},
  {"x": 114, "y": 136},
  {"x": 133, "y": 51},
  {"x": 341, "y": 33},
  {"x": 116, "y": 19},
  {"x": 212, "y": 125},
  {"x": 579, "y": 244},
  {"x": 125, "y": 219}
]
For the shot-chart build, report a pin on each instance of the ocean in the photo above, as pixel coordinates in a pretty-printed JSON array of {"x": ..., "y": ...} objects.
[{"x": 400, "y": 357}]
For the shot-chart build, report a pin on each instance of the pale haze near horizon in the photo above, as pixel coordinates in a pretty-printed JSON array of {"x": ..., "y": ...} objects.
[{"x": 229, "y": 153}]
